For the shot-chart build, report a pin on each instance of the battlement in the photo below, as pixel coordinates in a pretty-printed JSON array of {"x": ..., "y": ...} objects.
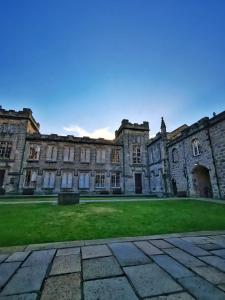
[
  {"x": 125, "y": 124},
  {"x": 26, "y": 113}
]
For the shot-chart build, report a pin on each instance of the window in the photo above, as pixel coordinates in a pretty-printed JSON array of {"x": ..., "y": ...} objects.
[
  {"x": 175, "y": 155},
  {"x": 51, "y": 153},
  {"x": 115, "y": 180},
  {"x": 85, "y": 155},
  {"x": 196, "y": 147},
  {"x": 34, "y": 152},
  {"x": 67, "y": 180},
  {"x": 68, "y": 154},
  {"x": 115, "y": 155},
  {"x": 136, "y": 155},
  {"x": 30, "y": 178},
  {"x": 5, "y": 149},
  {"x": 84, "y": 181},
  {"x": 100, "y": 180},
  {"x": 100, "y": 156},
  {"x": 49, "y": 180}
]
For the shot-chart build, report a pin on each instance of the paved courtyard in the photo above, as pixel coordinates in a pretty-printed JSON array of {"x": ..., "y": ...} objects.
[{"x": 174, "y": 266}]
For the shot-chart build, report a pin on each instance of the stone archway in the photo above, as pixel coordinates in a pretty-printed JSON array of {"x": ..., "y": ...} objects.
[{"x": 201, "y": 182}]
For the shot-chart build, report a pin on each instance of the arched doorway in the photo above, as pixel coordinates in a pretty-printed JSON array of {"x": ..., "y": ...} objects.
[{"x": 201, "y": 182}]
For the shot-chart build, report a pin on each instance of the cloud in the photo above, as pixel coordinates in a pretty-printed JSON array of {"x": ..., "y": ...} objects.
[{"x": 97, "y": 133}]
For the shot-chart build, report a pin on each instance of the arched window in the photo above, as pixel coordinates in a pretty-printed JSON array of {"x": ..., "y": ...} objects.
[
  {"x": 196, "y": 147},
  {"x": 175, "y": 155}
]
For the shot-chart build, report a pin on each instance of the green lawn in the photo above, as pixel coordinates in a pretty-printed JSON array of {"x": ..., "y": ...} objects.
[{"x": 37, "y": 223}]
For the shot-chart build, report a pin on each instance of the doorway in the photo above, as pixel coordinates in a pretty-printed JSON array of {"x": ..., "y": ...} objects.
[
  {"x": 138, "y": 183},
  {"x": 201, "y": 182},
  {"x": 2, "y": 175},
  {"x": 174, "y": 186}
]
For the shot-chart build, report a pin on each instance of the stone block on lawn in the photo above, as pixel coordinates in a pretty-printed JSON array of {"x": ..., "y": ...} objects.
[
  {"x": 68, "y": 198},
  {"x": 62, "y": 287},
  {"x": 150, "y": 280},
  {"x": 64, "y": 264},
  {"x": 26, "y": 280},
  {"x": 95, "y": 251},
  {"x": 184, "y": 258},
  {"x": 128, "y": 254},
  {"x": 38, "y": 258},
  {"x": 171, "y": 266},
  {"x": 30, "y": 296},
  {"x": 201, "y": 289},
  {"x": 111, "y": 288},
  {"x": 188, "y": 247},
  {"x": 148, "y": 248},
  {"x": 18, "y": 256},
  {"x": 211, "y": 274},
  {"x": 6, "y": 271},
  {"x": 101, "y": 267}
]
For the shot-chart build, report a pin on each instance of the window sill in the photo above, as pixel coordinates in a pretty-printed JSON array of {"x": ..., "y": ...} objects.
[
  {"x": 51, "y": 161},
  {"x": 32, "y": 160}
]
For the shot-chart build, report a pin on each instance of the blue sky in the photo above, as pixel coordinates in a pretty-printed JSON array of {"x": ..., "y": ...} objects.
[{"x": 83, "y": 66}]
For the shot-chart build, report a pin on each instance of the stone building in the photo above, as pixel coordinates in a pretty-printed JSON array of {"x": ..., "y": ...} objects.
[{"x": 190, "y": 161}]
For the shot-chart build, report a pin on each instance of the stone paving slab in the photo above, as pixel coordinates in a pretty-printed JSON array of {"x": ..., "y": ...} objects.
[
  {"x": 148, "y": 248},
  {"x": 95, "y": 251},
  {"x": 3, "y": 257},
  {"x": 184, "y": 257},
  {"x": 215, "y": 261},
  {"x": 64, "y": 264},
  {"x": 6, "y": 271},
  {"x": 211, "y": 274},
  {"x": 151, "y": 280},
  {"x": 62, "y": 287},
  {"x": 27, "y": 279},
  {"x": 128, "y": 254},
  {"x": 117, "y": 288},
  {"x": 18, "y": 256},
  {"x": 188, "y": 247},
  {"x": 39, "y": 257},
  {"x": 180, "y": 266},
  {"x": 161, "y": 244},
  {"x": 202, "y": 289},
  {"x": 171, "y": 266},
  {"x": 68, "y": 251},
  {"x": 177, "y": 296},
  {"x": 101, "y": 267},
  {"x": 30, "y": 296},
  {"x": 12, "y": 249},
  {"x": 220, "y": 252},
  {"x": 57, "y": 245}
]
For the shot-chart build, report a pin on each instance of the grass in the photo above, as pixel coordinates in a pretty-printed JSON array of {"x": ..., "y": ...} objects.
[{"x": 37, "y": 223}]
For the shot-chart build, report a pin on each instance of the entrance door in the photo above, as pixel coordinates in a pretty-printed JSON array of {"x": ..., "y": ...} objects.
[
  {"x": 201, "y": 182},
  {"x": 138, "y": 183},
  {"x": 2, "y": 175}
]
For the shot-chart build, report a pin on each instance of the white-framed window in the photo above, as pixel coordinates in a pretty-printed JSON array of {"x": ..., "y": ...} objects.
[
  {"x": 84, "y": 181},
  {"x": 115, "y": 180},
  {"x": 30, "y": 178},
  {"x": 100, "y": 180},
  {"x": 68, "y": 153},
  {"x": 136, "y": 154},
  {"x": 115, "y": 155},
  {"x": 34, "y": 152},
  {"x": 85, "y": 155},
  {"x": 51, "y": 154},
  {"x": 100, "y": 156},
  {"x": 175, "y": 155},
  {"x": 67, "y": 180},
  {"x": 5, "y": 150},
  {"x": 196, "y": 147},
  {"x": 49, "y": 180}
]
